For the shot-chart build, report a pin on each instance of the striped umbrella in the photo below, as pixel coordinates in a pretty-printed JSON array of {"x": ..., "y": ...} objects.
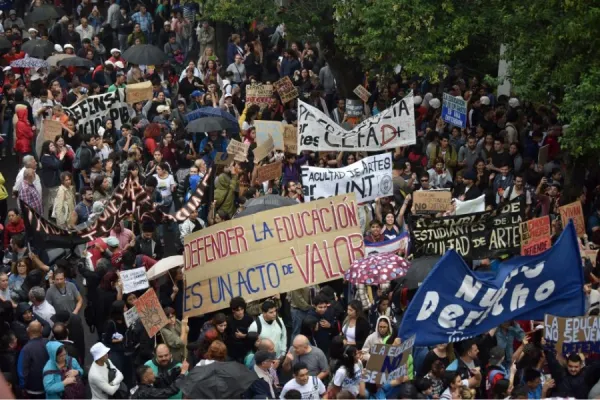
[{"x": 29, "y": 62}]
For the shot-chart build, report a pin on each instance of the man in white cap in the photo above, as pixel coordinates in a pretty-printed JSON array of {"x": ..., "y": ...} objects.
[
  {"x": 33, "y": 34},
  {"x": 115, "y": 55},
  {"x": 58, "y": 49},
  {"x": 101, "y": 386},
  {"x": 69, "y": 49}
]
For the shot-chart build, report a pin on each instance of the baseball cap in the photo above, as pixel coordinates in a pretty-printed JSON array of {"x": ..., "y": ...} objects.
[
  {"x": 261, "y": 356},
  {"x": 32, "y": 29},
  {"x": 120, "y": 73},
  {"x": 68, "y": 46},
  {"x": 119, "y": 64},
  {"x": 112, "y": 241},
  {"x": 98, "y": 351},
  {"x": 496, "y": 354},
  {"x": 196, "y": 93},
  {"x": 12, "y": 12},
  {"x": 470, "y": 175}
]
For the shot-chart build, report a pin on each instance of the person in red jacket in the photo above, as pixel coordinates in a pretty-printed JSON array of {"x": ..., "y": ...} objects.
[
  {"x": 14, "y": 226},
  {"x": 24, "y": 133}
]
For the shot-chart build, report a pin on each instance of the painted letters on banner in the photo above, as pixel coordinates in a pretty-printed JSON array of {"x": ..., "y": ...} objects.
[
  {"x": 131, "y": 316},
  {"x": 361, "y": 92},
  {"x": 270, "y": 171},
  {"x": 455, "y": 303},
  {"x": 572, "y": 334},
  {"x": 535, "y": 236},
  {"x": 575, "y": 212},
  {"x": 270, "y": 252},
  {"x": 369, "y": 178},
  {"x": 134, "y": 280},
  {"x": 259, "y": 94},
  {"x": 387, "y": 362},
  {"x": 151, "y": 312},
  {"x": 454, "y": 111},
  {"x": 476, "y": 236},
  {"x": 90, "y": 112},
  {"x": 394, "y": 127}
]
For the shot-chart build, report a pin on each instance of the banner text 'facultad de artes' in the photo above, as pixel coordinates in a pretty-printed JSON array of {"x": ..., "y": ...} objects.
[{"x": 270, "y": 252}]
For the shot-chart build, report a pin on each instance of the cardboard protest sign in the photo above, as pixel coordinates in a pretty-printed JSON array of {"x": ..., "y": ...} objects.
[
  {"x": 572, "y": 334},
  {"x": 361, "y": 92},
  {"x": 134, "y": 280},
  {"x": 90, "y": 112},
  {"x": 575, "y": 212},
  {"x": 263, "y": 150},
  {"x": 354, "y": 108},
  {"x": 151, "y": 313},
  {"x": 431, "y": 201},
  {"x": 270, "y": 171},
  {"x": 455, "y": 303},
  {"x": 131, "y": 316},
  {"x": 387, "y": 362},
  {"x": 290, "y": 139},
  {"x": 535, "y": 236},
  {"x": 393, "y": 127},
  {"x": 476, "y": 236},
  {"x": 269, "y": 129},
  {"x": 51, "y": 129},
  {"x": 454, "y": 111},
  {"x": 137, "y": 92},
  {"x": 286, "y": 89},
  {"x": 270, "y": 252},
  {"x": 259, "y": 94},
  {"x": 238, "y": 149},
  {"x": 224, "y": 158},
  {"x": 398, "y": 245},
  {"x": 543, "y": 154},
  {"x": 369, "y": 178}
]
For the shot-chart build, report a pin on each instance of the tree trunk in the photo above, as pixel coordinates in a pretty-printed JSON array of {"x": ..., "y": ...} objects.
[{"x": 346, "y": 70}]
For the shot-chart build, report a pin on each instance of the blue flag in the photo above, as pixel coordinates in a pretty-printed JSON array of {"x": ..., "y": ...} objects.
[{"x": 455, "y": 303}]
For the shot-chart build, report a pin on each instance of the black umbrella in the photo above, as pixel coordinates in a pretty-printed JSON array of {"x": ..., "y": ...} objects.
[
  {"x": 76, "y": 62},
  {"x": 5, "y": 44},
  {"x": 38, "y": 48},
  {"x": 43, "y": 13},
  {"x": 418, "y": 271},
  {"x": 265, "y": 203},
  {"x": 210, "y": 124},
  {"x": 145, "y": 54},
  {"x": 219, "y": 380}
]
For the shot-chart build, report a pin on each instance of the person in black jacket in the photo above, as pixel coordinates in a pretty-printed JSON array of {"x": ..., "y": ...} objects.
[
  {"x": 74, "y": 332},
  {"x": 8, "y": 357},
  {"x": 146, "y": 379},
  {"x": 24, "y": 316},
  {"x": 575, "y": 380},
  {"x": 52, "y": 166},
  {"x": 470, "y": 191},
  {"x": 60, "y": 333}
]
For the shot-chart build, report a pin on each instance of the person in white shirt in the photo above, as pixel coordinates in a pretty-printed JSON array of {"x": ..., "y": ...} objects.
[
  {"x": 270, "y": 326},
  {"x": 37, "y": 296},
  {"x": 101, "y": 386},
  {"x": 42, "y": 109},
  {"x": 28, "y": 162},
  {"x": 192, "y": 224},
  {"x": 85, "y": 30},
  {"x": 310, "y": 387}
]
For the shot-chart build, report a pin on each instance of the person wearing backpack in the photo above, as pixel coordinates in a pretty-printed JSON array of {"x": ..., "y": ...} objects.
[
  {"x": 83, "y": 159},
  {"x": 62, "y": 374},
  {"x": 270, "y": 326},
  {"x": 495, "y": 371}
]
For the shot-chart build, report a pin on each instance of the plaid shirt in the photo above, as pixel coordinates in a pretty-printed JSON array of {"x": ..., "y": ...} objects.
[
  {"x": 145, "y": 21},
  {"x": 31, "y": 196}
]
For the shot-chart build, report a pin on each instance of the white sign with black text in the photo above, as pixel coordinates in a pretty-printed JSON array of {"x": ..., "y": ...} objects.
[{"x": 134, "y": 280}]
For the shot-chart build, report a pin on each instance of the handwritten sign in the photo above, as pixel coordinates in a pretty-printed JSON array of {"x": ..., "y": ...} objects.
[
  {"x": 269, "y": 172},
  {"x": 286, "y": 89},
  {"x": 134, "y": 280},
  {"x": 263, "y": 150},
  {"x": 290, "y": 139},
  {"x": 270, "y": 252},
  {"x": 269, "y": 129},
  {"x": 543, "y": 154},
  {"x": 535, "y": 236},
  {"x": 52, "y": 129},
  {"x": 224, "y": 158},
  {"x": 575, "y": 212},
  {"x": 150, "y": 312},
  {"x": 363, "y": 93},
  {"x": 387, "y": 363},
  {"x": 572, "y": 334},
  {"x": 431, "y": 201},
  {"x": 354, "y": 108},
  {"x": 454, "y": 110},
  {"x": 238, "y": 149},
  {"x": 137, "y": 92},
  {"x": 131, "y": 316},
  {"x": 259, "y": 94}
]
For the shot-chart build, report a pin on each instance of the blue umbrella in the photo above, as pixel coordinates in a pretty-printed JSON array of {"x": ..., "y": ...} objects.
[
  {"x": 213, "y": 112},
  {"x": 29, "y": 62}
]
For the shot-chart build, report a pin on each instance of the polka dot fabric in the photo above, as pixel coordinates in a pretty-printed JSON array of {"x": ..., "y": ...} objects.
[{"x": 377, "y": 269}]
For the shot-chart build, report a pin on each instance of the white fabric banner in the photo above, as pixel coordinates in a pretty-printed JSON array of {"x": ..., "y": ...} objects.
[
  {"x": 470, "y": 206},
  {"x": 369, "y": 178},
  {"x": 89, "y": 113},
  {"x": 134, "y": 280},
  {"x": 393, "y": 127}
]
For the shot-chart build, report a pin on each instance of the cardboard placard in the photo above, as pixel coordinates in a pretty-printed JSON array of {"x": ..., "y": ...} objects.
[
  {"x": 151, "y": 313},
  {"x": 239, "y": 150},
  {"x": 363, "y": 93},
  {"x": 286, "y": 89},
  {"x": 575, "y": 212},
  {"x": 543, "y": 154},
  {"x": 131, "y": 316},
  {"x": 224, "y": 158},
  {"x": 259, "y": 94},
  {"x": 535, "y": 236},
  {"x": 134, "y": 280},
  {"x": 136, "y": 92},
  {"x": 51, "y": 129},
  {"x": 454, "y": 111},
  {"x": 269, "y": 129},
  {"x": 270, "y": 171},
  {"x": 290, "y": 139},
  {"x": 263, "y": 150},
  {"x": 431, "y": 201},
  {"x": 387, "y": 362},
  {"x": 354, "y": 108},
  {"x": 270, "y": 252},
  {"x": 572, "y": 334}
]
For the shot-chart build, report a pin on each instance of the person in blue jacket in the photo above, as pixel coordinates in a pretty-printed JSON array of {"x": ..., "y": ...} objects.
[{"x": 59, "y": 362}]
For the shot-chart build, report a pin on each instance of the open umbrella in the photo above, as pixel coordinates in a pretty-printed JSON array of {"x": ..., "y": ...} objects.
[
  {"x": 53, "y": 60},
  {"x": 163, "y": 266},
  {"x": 212, "y": 112},
  {"x": 376, "y": 269},
  {"x": 5, "y": 44},
  {"x": 76, "y": 62},
  {"x": 265, "y": 203},
  {"x": 145, "y": 54},
  {"x": 43, "y": 13},
  {"x": 210, "y": 124},
  {"x": 418, "y": 271},
  {"x": 38, "y": 48},
  {"x": 29, "y": 62},
  {"x": 219, "y": 380}
]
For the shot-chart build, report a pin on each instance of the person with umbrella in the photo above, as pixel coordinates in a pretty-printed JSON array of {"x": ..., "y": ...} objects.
[{"x": 146, "y": 384}]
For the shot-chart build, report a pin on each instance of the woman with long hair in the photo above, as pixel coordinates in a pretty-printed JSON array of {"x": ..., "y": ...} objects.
[
  {"x": 453, "y": 381},
  {"x": 347, "y": 374},
  {"x": 208, "y": 55},
  {"x": 101, "y": 188},
  {"x": 64, "y": 203},
  {"x": 211, "y": 73},
  {"x": 109, "y": 290},
  {"x": 63, "y": 147},
  {"x": 356, "y": 326},
  {"x": 18, "y": 273}
]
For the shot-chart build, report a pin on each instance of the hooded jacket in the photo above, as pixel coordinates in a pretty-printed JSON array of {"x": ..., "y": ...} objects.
[
  {"x": 376, "y": 338},
  {"x": 53, "y": 382},
  {"x": 225, "y": 188},
  {"x": 23, "y": 130},
  {"x": 19, "y": 326}
]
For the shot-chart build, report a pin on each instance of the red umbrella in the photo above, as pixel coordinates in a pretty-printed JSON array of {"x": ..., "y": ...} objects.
[{"x": 377, "y": 269}]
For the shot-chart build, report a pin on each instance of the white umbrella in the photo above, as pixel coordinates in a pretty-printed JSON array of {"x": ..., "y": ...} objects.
[{"x": 163, "y": 266}]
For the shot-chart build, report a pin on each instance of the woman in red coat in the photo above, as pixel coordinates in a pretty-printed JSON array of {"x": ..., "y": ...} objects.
[{"x": 23, "y": 133}]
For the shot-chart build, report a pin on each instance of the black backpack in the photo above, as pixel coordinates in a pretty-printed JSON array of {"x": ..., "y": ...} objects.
[{"x": 259, "y": 325}]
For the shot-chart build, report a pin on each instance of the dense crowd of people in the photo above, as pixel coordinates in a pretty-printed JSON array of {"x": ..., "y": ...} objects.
[{"x": 308, "y": 343}]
